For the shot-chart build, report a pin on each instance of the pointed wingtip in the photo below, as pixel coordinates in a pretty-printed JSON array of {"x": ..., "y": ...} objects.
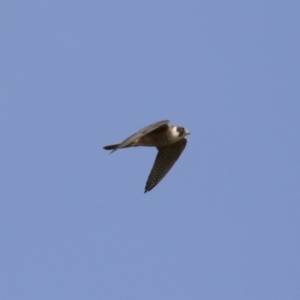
[{"x": 148, "y": 189}]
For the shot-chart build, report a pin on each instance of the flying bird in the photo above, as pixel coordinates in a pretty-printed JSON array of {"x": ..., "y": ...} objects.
[{"x": 169, "y": 140}]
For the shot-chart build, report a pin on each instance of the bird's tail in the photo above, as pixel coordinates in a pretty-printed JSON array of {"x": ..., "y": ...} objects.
[
  {"x": 111, "y": 147},
  {"x": 115, "y": 147}
]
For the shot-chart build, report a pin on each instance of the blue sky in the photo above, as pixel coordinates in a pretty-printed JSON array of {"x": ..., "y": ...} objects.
[{"x": 78, "y": 75}]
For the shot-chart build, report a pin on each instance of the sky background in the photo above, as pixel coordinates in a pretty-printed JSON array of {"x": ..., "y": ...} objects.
[{"x": 75, "y": 222}]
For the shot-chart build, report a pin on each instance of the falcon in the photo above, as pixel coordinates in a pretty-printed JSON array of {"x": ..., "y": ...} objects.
[{"x": 169, "y": 140}]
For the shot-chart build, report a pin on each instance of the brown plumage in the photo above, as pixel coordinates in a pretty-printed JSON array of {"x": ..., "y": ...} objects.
[
  {"x": 164, "y": 161},
  {"x": 170, "y": 142}
]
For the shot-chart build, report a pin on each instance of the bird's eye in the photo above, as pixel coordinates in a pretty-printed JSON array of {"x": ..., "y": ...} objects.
[{"x": 181, "y": 131}]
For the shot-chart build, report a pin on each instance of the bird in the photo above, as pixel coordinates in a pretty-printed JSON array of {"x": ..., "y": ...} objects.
[{"x": 170, "y": 142}]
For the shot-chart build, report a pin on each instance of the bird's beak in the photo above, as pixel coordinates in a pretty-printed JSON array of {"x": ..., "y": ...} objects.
[{"x": 187, "y": 132}]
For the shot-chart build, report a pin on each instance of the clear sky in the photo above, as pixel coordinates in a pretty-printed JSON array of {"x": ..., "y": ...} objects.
[{"x": 75, "y": 222}]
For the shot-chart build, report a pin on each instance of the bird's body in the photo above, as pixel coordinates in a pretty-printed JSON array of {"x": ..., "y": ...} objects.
[{"x": 170, "y": 142}]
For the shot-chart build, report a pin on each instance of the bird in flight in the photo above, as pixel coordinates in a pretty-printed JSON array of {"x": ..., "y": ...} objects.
[{"x": 169, "y": 140}]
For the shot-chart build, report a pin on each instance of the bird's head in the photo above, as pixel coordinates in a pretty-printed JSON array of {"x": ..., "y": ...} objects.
[{"x": 179, "y": 132}]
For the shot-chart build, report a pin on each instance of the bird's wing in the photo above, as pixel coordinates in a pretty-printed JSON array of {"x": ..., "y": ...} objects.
[
  {"x": 164, "y": 161},
  {"x": 156, "y": 126}
]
